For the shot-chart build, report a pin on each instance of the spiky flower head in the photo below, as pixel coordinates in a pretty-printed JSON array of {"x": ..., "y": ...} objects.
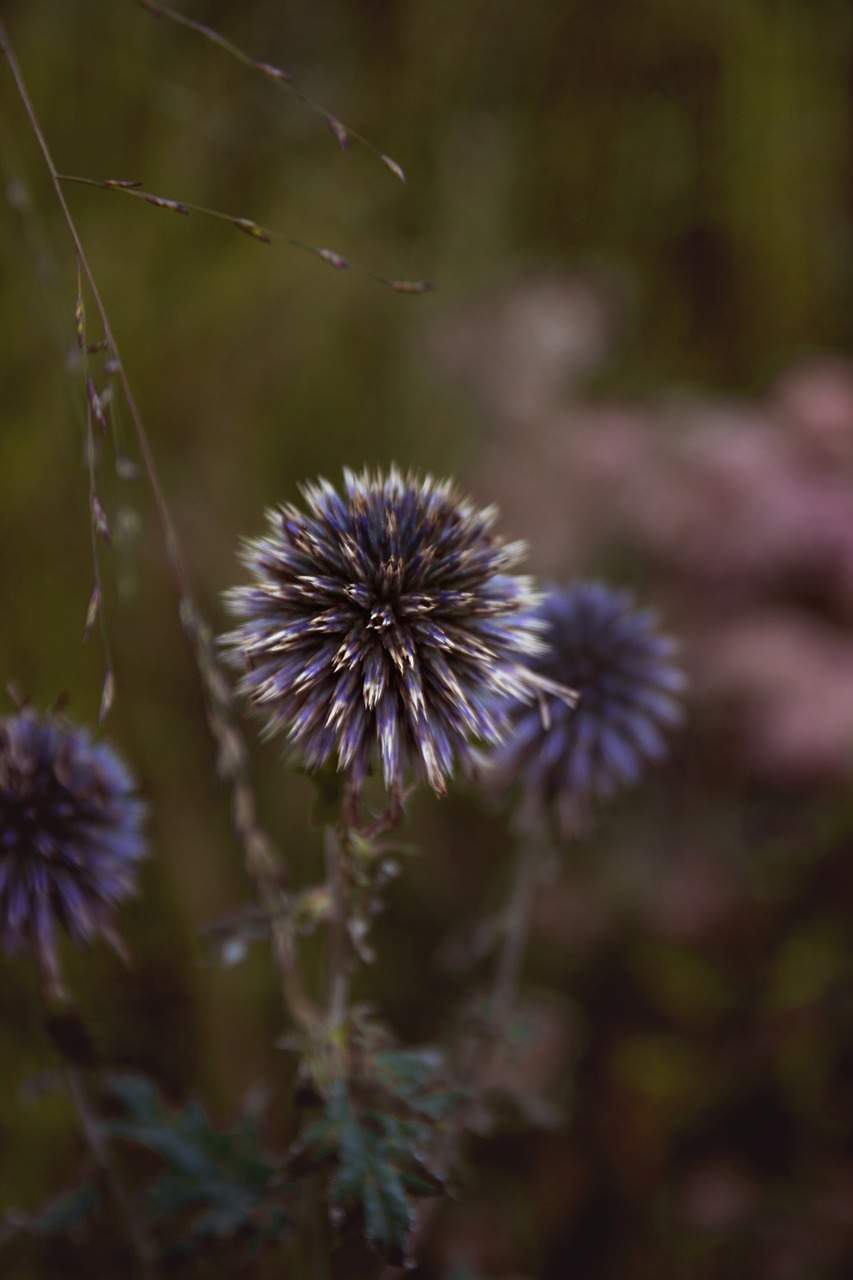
[
  {"x": 385, "y": 620},
  {"x": 625, "y": 672},
  {"x": 70, "y": 837}
]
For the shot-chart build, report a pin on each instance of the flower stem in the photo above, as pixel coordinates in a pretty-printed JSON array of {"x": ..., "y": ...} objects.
[
  {"x": 515, "y": 930},
  {"x": 264, "y": 867},
  {"x": 338, "y": 968}
]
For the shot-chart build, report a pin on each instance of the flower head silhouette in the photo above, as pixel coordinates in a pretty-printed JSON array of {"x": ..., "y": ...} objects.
[
  {"x": 624, "y": 671},
  {"x": 70, "y": 837}
]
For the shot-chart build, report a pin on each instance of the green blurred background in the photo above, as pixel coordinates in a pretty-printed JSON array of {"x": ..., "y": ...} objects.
[{"x": 638, "y": 218}]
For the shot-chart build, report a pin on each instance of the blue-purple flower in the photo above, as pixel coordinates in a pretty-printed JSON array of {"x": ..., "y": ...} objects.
[
  {"x": 70, "y": 837},
  {"x": 385, "y": 621},
  {"x": 624, "y": 669}
]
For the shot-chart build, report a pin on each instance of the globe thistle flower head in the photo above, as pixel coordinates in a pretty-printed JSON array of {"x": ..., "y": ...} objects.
[
  {"x": 70, "y": 838},
  {"x": 385, "y": 621},
  {"x": 625, "y": 673}
]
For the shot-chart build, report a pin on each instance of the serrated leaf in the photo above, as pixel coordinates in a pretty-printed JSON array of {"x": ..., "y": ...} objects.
[
  {"x": 225, "y": 1217},
  {"x": 380, "y": 1127},
  {"x": 173, "y": 1146},
  {"x": 418, "y": 1078},
  {"x": 387, "y": 1212},
  {"x": 223, "y": 1175},
  {"x": 137, "y": 1095},
  {"x": 66, "y": 1212},
  {"x": 408, "y": 1070},
  {"x": 367, "y": 1176},
  {"x": 438, "y": 1105}
]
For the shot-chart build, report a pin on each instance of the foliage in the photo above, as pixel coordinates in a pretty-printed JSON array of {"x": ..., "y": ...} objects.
[
  {"x": 221, "y": 1182},
  {"x": 381, "y": 1130},
  {"x": 212, "y": 1185},
  {"x": 63, "y": 1215}
]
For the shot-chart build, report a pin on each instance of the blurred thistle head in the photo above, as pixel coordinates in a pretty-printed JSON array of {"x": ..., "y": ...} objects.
[
  {"x": 70, "y": 838},
  {"x": 625, "y": 672},
  {"x": 385, "y": 620}
]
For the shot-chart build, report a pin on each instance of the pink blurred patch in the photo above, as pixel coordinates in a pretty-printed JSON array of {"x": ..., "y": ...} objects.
[{"x": 738, "y": 513}]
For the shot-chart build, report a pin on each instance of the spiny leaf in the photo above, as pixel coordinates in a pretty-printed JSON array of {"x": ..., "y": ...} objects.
[
  {"x": 138, "y": 1095},
  {"x": 367, "y": 1176},
  {"x": 180, "y": 1151},
  {"x": 223, "y": 1175},
  {"x": 65, "y": 1213},
  {"x": 418, "y": 1078}
]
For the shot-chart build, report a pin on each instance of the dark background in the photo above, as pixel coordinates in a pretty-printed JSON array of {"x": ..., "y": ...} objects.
[{"x": 638, "y": 217}]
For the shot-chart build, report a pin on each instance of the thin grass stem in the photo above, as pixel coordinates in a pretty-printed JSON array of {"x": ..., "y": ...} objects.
[
  {"x": 343, "y": 135},
  {"x": 263, "y": 863},
  {"x": 264, "y": 235}
]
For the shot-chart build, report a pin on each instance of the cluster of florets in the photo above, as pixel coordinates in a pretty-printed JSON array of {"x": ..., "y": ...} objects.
[
  {"x": 70, "y": 837},
  {"x": 387, "y": 620},
  {"x": 625, "y": 672}
]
